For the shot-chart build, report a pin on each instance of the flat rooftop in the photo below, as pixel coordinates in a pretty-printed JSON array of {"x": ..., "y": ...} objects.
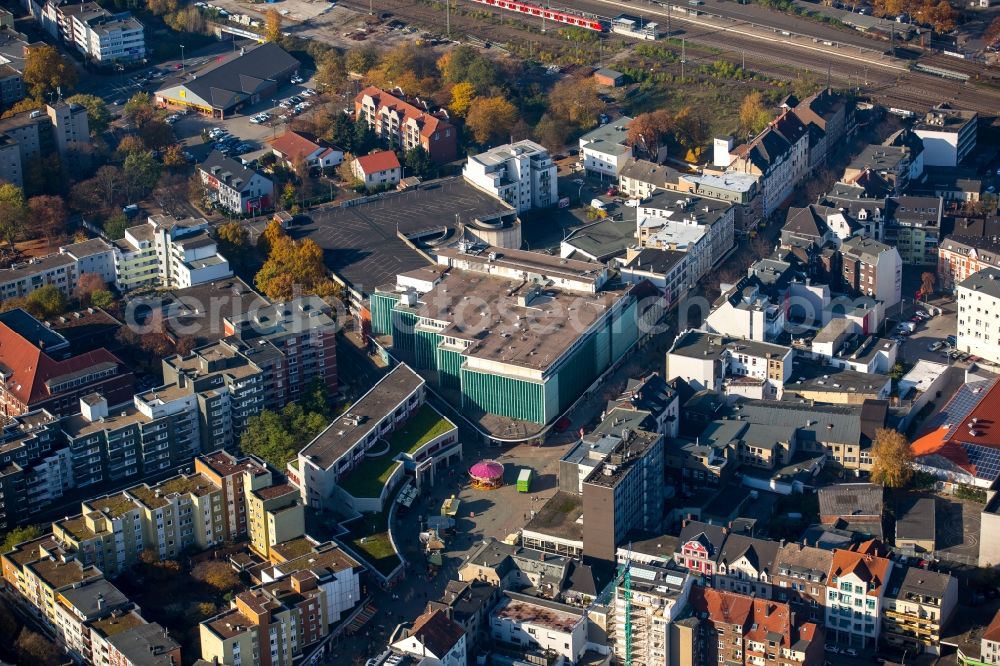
[
  {"x": 916, "y": 519},
  {"x": 921, "y": 376},
  {"x": 533, "y": 335},
  {"x": 156, "y": 496},
  {"x": 550, "y": 615},
  {"x": 362, "y": 245},
  {"x": 560, "y": 517},
  {"x": 349, "y": 428}
]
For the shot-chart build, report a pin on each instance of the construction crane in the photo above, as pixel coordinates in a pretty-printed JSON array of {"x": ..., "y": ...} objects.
[{"x": 624, "y": 578}]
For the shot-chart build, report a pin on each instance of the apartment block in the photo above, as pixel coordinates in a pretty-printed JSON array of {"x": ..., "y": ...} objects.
[
  {"x": 228, "y": 386},
  {"x": 294, "y": 343},
  {"x": 744, "y": 630},
  {"x": 233, "y": 186},
  {"x": 973, "y": 246},
  {"x": 522, "y": 174},
  {"x": 168, "y": 252},
  {"x": 292, "y": 609},
  {"x": 914, "y": 228},
  {"x": 622, "y": 493},
  {"x": 432, "y": 637},
  {"x": 872, "y": 269},
  {"x": 107, "y": 534},
  {"x": 408, "y": 124},
  {"x": 525, "y": 623},
  {"x": 706, "y": 361},
  {"x": 857, "y": 582},
  {"x": 916, "y": 607},
  {"x": 779, "y": 155},
  {"x": 12, "y": 50},
  {"x": 101, "y": 36},
  {"x": 799, "y": 579},
  {"x": 746, "y": 566},
  {"x": 34, "y": 467},
  {"x": 948, "y": 134},
  {"x": 330, "y": 457},
  {"x": 978, "y": 311},
  {"x": 234, "y": 476},
  {"x": 154, "y": 434},
  {"x": 605, "y": 151},
  {"x": 274, "y": 514},
  {"x": 699, "y": 545},
  {"x": 70, "y": 127},
  {"x": 655, "y": 598}
]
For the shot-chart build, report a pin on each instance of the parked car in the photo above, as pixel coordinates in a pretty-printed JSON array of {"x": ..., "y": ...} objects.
[
  {"x": 851, "y": 652},
  {"x": 952, "y": 340},
  {"x": 935, "y": 346}
]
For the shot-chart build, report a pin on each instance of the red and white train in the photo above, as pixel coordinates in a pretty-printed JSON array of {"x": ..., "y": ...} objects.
[{"x": 541, "y": 12}]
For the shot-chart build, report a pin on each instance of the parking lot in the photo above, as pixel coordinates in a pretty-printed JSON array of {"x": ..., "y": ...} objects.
[{"x": 189, "y": 128}]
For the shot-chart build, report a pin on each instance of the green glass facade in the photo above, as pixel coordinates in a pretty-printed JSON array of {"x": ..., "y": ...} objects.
[
  {"x": 504, "y": 396},
  {"x": 403, "y": 323},
  {"x": 382, "y": 306},
  {"x": 424, "y": 347},
  {"x": 449, "y": 364},
  {"x": 537, "y": 401}
]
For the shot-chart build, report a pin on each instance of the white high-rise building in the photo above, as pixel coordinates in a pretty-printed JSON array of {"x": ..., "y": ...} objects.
[{"x": 522, "y": 174}]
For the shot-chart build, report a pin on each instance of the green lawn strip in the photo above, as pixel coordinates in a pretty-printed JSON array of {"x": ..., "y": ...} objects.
[{"x": 368, "y": 478}]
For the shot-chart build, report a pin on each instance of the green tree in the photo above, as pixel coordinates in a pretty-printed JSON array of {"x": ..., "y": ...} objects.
[
  {"x": 139, "y": 108},
  {"x": 267, "y": 437},
  {"x": 234, "y": 241},
  {"x": 45, "y": 71},
  {"x": 47, "y": 301},
  {"x": 418, "y": 163},
  {"x": 361, "y": 59},
  {"x": 98, "y": 115},
  {"x": 364, "y": 139},
  {"x": 102, "y": 299},
  {"x": 317, "y": 398},
  {"x": 331, "y": 72},
  {"x": 891, "y": 458},
  {"x": 114, "y": 226},
  {"x": 465, "y": 64},
  {"x": 141, "y": 172},
  {"x": 19, "y": 535},
  {"x": 13, "y": 214}
]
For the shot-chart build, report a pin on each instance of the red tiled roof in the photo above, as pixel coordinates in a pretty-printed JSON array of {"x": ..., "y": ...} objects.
[
  {"x": 992, "y": 632},
  {"x": 380, "y": 161},
  {"x": 435, "y": 631},
  {"x": 29, "y": 367},
  {"x": 869, "y": 568},
  {"x": 721, "y": 606},
  {"x": 293, "y": 145},
  {"x": 979, "y": 427},
  {"x": 427, "y": 122}
]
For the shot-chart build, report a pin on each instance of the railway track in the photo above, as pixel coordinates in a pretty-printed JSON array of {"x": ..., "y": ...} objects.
[{"x": 898, "y": 86}]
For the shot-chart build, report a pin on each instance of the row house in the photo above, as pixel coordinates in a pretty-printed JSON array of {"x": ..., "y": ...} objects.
[
  {"x": 738, "y": 629},
  {"x": 916, "y": 607},
  {"x": 973, "y": 245},
  {"x": 779, "y": 155},
  {"x": 829, "y": 120}
]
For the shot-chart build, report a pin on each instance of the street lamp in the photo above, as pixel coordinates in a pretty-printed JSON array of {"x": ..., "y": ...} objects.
[{"x": 183, "y": 65}]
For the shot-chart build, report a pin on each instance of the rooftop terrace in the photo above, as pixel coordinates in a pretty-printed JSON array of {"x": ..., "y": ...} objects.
[{"x": 368, "y": 478}]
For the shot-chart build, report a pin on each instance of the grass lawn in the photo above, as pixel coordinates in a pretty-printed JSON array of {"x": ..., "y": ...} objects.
[
  {"x": 368, "y": 478},
  {"x": 370, "y": 538}
]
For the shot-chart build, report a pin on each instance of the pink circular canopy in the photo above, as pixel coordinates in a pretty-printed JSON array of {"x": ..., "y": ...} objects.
[{"x": 486, "y": 469}]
